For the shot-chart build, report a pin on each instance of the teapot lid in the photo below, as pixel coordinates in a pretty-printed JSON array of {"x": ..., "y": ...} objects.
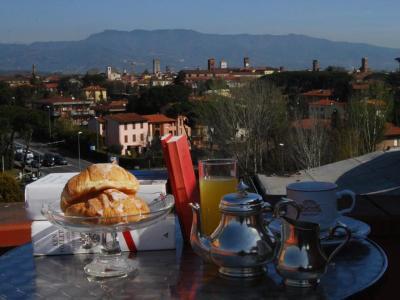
[{"x": 241, "y": 201}]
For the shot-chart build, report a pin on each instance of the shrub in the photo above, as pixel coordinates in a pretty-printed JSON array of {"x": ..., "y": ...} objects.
[
  {"x": 115, "y": 149},
  {"x": 10, "y": 190}
]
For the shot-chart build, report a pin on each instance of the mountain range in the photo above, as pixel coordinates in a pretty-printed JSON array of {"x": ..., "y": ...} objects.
[{"x": 180, "y": 49}]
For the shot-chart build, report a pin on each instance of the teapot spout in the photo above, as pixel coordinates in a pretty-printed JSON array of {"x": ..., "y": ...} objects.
[{"x": 200, "y": 244}]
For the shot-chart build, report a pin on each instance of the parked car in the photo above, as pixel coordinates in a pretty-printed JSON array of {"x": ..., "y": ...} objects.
[
  {"x": 29, "y": 161},
  {"x": 59, "y": 160},
  {"x": 18, "y": 156},
  {"x": 30, "y": 177},
  {"x": 36, "y": 164},
  {"x": 48, "y": 160},
  {"x": 29, "y": 155},
  {"x": 18, "y": 149},
  {"x": 38, "y": 157}
]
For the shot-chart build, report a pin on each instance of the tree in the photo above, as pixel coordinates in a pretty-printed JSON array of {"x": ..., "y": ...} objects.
[
  {"x": 6, "y": 94},
  {"x": 309, "y": 142},
  {"x": 18, "y": 120},
  {"x": 94, "y": 79},
  {"x": 393, "y": 79},
  {"x": 335, "y": 69},
  {"x": 70, "y": 86},
  {"x": 216, "y": 84},
  {"x": 368, "y": 114},
  {"x": 9, "y": 189},
  {"x": 244, "y": 125},
  {"x": 116, "y": 88},
  {"x": 155, "y": 99}
]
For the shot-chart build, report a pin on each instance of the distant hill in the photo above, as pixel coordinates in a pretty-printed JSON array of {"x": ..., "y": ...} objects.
[{"x": 190, "y": 49}]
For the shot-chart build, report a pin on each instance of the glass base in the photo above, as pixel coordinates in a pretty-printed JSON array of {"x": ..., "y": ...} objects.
[
  {"x": 301, "y": 283},
  {"x": 242, "y": 272},
  {"x": 110, "y": 266}
]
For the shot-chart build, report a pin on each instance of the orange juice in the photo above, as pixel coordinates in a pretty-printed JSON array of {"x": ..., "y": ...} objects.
[{"x": 211, "y": 192}]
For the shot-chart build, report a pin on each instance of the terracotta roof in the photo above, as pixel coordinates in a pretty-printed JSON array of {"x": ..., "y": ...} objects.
[
  {"x": 309, "y": 123},
  {"x": 376, "y": 102},
  {"x": 158, "y": 118},
  {"x": 126, "y": 118},
  {"x": 51, "y": 85},
  {"x": 325, "y": 102},
  {"x": 101, "y": 119},
  {"x": 118, "y": 103},
  {"x": 115, "y": 104},
  {"x": 391, "y": 130},
  {"x": 52, "y": 78},
  {"x": 94, "y": 88},
  {"x": 318, "y": 93},
  {"x": 360, "y": 86}
]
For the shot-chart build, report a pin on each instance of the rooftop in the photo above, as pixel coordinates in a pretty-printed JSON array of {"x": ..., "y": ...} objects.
[
  {"x": 318, "y": 93},
  {"x": 126, "y": 118},
  {"x": 326, "y": 102},
  {"x": 94, "y": 88},
  {"x": 372, "y": 173},
  {"x": 113, "y": 105},
  {"x": 392, "y": 130},
  {"x": 360, "y": 86},
  {"x": 51, "y": 85},
  {"x": 158, "y": 118}
]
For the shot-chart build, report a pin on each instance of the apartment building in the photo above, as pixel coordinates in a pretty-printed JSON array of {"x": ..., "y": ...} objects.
[{"x": 75, "y": 109}]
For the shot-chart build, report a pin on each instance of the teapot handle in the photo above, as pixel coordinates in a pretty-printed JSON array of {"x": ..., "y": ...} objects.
[
  {"x": 338, "y": 248},
  {"x": 285, "y": 202},
  {"x": 343, "y": 193}
]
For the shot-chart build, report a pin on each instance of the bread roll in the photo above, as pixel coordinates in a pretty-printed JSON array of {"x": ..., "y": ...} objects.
[
  {"x": 93, "y": 180},
  {"x": 113, "y": 205}
]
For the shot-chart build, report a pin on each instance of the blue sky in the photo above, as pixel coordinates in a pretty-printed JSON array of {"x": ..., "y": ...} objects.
[{"x": 375, "y": 22}]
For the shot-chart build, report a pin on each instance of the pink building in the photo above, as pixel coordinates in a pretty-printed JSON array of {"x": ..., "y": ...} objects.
[
  {"x": 129, "y": 130},
  {"x": 160, "y": 125},
  {"x": 134, "y": 132}
]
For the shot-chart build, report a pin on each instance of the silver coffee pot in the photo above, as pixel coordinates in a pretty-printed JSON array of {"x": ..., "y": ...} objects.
[
  {"x": 242, "y": 244},
  {"x": 300, "y": 259}
]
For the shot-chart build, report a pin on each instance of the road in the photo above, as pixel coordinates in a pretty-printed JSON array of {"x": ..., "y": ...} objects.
[{"x": 41, "y": 149}]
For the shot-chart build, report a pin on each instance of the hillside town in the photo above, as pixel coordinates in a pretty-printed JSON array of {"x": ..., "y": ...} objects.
[{"x": 128, "y": 111}]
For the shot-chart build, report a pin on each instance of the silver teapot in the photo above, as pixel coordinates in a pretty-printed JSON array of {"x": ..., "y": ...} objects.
[
  {"x": 242, "y": 244},
  {"x": 300, "y": 259}
]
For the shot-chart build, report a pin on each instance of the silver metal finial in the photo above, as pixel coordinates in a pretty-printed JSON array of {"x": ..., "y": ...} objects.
[{"x": 242, "y": 187}]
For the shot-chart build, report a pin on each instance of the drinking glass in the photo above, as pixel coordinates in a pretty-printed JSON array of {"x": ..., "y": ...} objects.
[{"x": 217, "y": 177}]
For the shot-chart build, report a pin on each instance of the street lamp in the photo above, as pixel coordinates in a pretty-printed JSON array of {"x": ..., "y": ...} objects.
[
  {"x": 283, "y": 162},
  {"x": 79, "y": 151},
  {"x": 48, "y": 108},
  {"x": 97, "y": 133}
]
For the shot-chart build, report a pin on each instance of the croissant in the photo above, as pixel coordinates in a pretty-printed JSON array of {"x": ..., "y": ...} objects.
[
  {"x": 95, "y": 179},
  {"x": 113, "y": 206}
]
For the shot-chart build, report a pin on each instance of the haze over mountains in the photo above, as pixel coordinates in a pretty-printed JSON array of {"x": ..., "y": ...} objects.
[{"x": 182, "y": 49}]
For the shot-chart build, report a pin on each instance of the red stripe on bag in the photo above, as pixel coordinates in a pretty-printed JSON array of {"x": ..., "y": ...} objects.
[{"x": 129, "y": 241}]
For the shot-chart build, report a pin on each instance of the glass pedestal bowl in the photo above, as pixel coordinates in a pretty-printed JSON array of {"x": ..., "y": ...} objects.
[{"x": 110, "y": 262}]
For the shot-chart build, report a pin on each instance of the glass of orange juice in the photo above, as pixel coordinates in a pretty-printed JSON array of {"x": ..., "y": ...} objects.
[{"x": 217, "y": 177}]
